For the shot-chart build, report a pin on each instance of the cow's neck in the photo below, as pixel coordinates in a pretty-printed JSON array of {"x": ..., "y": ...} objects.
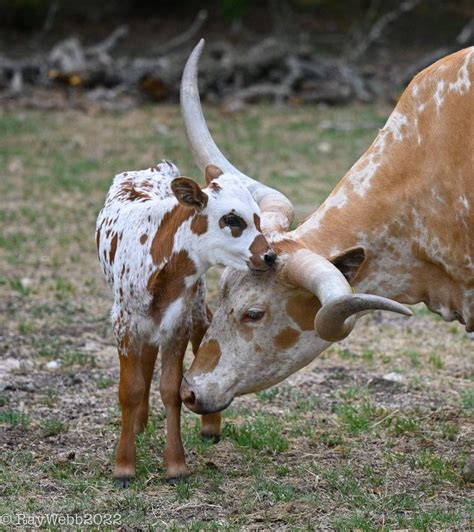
[{"x": 407, "y": 202}]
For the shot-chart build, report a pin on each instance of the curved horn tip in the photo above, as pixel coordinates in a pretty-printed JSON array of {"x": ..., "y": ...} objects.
[{"x": 199, "y": 46}]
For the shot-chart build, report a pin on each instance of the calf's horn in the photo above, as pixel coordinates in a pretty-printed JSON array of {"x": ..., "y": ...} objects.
[
  {"x": 339, "y": 305},
  {"x": 277, "y": 210}
]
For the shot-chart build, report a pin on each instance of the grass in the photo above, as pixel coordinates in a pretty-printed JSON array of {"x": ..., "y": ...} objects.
[
  {"x": 14, "y": 418},
  {"x": 260, "y": 433},
  {"x": 52, "y": 427},
  {"x": 335, "y": 447}
]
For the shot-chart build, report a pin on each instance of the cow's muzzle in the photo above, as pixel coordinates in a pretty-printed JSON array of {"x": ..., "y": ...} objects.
[{"x": 191, "y": 399}]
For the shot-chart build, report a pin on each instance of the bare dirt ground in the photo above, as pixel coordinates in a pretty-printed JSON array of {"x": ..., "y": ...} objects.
[{"x": 374, "y": 435}]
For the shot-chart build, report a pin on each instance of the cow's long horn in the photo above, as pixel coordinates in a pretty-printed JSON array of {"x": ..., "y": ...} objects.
[
  {"x": 277, "y": 210},
  {"x": 339, "y": 305}
]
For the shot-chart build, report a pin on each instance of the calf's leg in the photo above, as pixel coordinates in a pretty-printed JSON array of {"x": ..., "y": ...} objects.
[
  {"x": 131, "y": 393},
  {"x": 147, "y": 363},
  {"x": 171, "y": 375}
]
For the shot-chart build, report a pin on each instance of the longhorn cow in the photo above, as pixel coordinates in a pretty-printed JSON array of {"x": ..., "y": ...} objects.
[{"x": 399, "y": 224}]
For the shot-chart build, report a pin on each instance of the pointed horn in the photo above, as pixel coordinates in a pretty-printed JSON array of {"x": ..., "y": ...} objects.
[
  {"x": 277, "y": 210},
  {"x": 339, "y": 305}
]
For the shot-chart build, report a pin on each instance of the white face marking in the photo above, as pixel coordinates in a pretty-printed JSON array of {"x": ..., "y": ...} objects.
[{"x": 220, "y": 246}]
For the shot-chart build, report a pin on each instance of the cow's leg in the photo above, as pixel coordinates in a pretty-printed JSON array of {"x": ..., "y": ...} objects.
[
  {"x": 131, "y": 393},
  {"x": 147, "y": 363},
  {"x": 171, "y": 374},
  {"x": 211, "y": 427},
  {"x": 210, "y": 423}
]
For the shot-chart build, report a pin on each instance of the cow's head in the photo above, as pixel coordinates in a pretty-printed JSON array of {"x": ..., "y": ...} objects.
[
  {"x": 268, "y": 326},
  {"x": 227, "y": 220}
]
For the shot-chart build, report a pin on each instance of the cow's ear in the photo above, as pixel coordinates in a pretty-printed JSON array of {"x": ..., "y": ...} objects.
[
  {"x": 211, "y": 172},
  {"x": 189, "y": 193},
  {"x": 349, "y": 262}
]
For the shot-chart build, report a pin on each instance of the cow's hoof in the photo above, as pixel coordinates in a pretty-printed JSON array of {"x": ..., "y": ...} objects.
[
  {"x": 176, "y": 480},
  {"x": 213, "y": 438},
  {"x": 123, "y": 482}
]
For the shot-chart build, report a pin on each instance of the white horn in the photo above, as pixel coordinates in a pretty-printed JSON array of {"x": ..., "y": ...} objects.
[
  {"x": 339, "y": 305},
  {"x": 277, "y": 210}
]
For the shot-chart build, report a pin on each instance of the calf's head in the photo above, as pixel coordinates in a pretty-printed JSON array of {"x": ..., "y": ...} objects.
[
  {"x": 227, "y": 221},
  {"x": 268, "y": 326}
]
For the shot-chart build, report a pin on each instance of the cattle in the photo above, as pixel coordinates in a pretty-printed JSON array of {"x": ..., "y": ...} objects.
[
  {"x": 399, "y": 225},
  {"x": 157, "y": 235}
]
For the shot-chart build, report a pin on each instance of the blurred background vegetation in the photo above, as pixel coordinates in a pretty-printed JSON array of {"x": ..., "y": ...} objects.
[
  {"x": 293, "y": 51},
  {"x": 432, "y": 19}
]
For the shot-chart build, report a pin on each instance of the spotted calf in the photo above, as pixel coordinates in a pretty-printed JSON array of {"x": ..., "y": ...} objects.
[{"x": 157, "y": 235}]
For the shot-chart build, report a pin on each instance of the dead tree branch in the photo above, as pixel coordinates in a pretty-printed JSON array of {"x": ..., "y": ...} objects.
[
  {"x": 377, "y": 30},
  {"x": 186, "y": 36}
]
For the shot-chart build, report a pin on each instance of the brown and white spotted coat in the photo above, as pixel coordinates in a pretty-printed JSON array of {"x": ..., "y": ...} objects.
[
  {"x": 399, "y": 224},
  {"x": 157, "y": 235}
]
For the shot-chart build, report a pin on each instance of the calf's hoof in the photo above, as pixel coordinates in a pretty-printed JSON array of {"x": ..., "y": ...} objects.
[
  {"x": 123, "y": 475},
  {"x": 123, "y": 482},
  {"x": 213, "y": 438},
  {"x": 176, "y": 473}
]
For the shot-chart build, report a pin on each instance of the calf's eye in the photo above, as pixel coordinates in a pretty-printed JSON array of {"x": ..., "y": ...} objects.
[
  {"x": 253, "y": 315},
  {"x": 233, "y": 221}
]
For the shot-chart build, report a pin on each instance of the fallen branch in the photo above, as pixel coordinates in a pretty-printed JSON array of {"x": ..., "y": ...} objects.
[
  {"x": 186, "y": 36},
  {"x": 378, "y": 28}
]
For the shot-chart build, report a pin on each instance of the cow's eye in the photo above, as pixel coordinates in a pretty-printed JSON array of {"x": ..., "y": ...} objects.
[
  {"x": 231, "y": 220},
  {"x": 253, "y": 315}
]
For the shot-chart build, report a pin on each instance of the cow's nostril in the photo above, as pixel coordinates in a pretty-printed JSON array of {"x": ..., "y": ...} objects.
[{"x": 270, "y": 258}]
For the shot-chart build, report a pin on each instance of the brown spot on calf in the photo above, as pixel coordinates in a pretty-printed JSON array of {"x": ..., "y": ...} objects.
[
  {"x": 215, "y": 186},
  {"x": 162, "y": 245},
  {"x": 256, "y": 220},
  {"x": 143, "y": 238},
  {"x": 167, "y": 284},
  {"x": 113, "y": 248},
  {"x": 199, "y": 224},
  {"x": 258, "y": 248},
  {"x": 130, "y": 193}
]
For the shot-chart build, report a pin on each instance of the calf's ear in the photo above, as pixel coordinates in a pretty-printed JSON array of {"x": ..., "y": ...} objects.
[
  {"x": 189, "y": 193},
  {"x": 349, "y": 262},
  {"x": 211, "y": 172}
]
